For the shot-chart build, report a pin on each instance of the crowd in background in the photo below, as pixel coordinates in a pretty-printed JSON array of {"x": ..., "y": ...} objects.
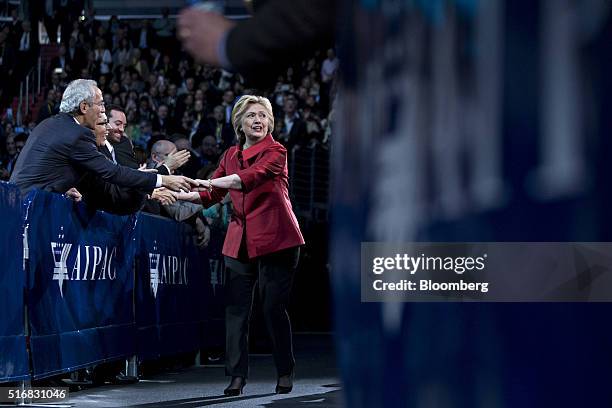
[
  {"x": 166, "y": 96},
  {"x": 139, "y": 66}
]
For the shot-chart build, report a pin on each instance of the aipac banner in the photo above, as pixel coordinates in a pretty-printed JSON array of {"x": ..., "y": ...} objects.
[
  {"x": 170, "y": 288},
  {"x": 13, "y": 356},
  {"x": 80, "y": 282}
]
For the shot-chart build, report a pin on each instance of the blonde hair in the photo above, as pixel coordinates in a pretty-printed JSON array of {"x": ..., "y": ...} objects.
[{"x": 240, "y": 109}]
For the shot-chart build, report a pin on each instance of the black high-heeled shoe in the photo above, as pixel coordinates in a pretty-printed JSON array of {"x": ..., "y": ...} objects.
[
  {"x": 235, "y": 387},
  {"x": 287, "y": 385}
]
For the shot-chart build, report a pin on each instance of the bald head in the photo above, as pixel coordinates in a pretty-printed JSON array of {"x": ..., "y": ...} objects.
[{"x": 161, "y": 149}]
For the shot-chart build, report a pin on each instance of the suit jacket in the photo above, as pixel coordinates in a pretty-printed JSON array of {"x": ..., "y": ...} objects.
[
  {"x": 15, "y": 34},
  {"x": 46, "y": 111},
  {"x": 151, "y": 37},
  {"x": 56, "y": 62},
  {"x": 7, "y": 53},
  {"x": 104, "y": 150},
  {"x": 166, "y": 128},
  {"x": 297, "y": 135},
  {"x": 124, "y": 153},
  {"x": 109, "y": 197},
  {"x": 76, "y": 62},
  {"x": 227, "y": 136},
  {"x": 262, "y": 210},
  {"x": 59, "y": 152},
  {"x": 280, "y": 31}
]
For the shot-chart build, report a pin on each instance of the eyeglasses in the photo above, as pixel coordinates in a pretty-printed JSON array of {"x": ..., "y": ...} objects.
[{"x": 101, "y": 103}]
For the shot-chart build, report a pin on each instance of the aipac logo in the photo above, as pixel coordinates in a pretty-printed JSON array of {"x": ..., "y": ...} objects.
[
  {"x": 154, "y": 269},
  {"x": 216, "y": 274},
  {"x": 98, "y": 262},
  {"x": 166, "y": 270},
  {"x": 60, "y": 252}
]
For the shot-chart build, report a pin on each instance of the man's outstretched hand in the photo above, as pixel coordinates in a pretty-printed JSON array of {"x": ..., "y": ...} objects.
[
  {"x": 178, "y": 183},
  {"x": 164, "y": 196},
  {"x": 73, "y": 194}
]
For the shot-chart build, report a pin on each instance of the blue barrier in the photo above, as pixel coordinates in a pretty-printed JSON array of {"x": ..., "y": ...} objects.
[
  {"x": 13, "y": 356},
  {"x": 171, "y": 284},
  {"x": 80, "y": 283},
  {"x": 99, "y": 287},
  {"x": 213, "y": 326}
]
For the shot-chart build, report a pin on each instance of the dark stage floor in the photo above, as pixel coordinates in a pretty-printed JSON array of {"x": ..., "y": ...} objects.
[{"x": 316, "y": 385}]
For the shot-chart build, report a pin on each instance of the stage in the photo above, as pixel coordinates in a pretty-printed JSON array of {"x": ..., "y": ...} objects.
[{"x": 316, "y": 385}]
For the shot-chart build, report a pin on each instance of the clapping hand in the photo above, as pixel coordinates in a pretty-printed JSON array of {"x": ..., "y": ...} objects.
[{"x": 176, "y": 159}]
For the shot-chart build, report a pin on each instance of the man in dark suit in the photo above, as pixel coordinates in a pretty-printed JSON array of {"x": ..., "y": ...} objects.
[
  {"x": 294, "y": 129},
  {"x": 7, "y": 65},
  {"x": 101, "y": 195},
  {"x": 61, "y": 149},
  {"x": 144, "y": 38},
  {"x": 218, "y": 127},
  {"x": 27, "y": 49},
  {"x": 50, "y": 19},
  {"x": 15, "y": 29},
  {"x": 76, "y": 57},
  {"x": 121, "y": 150},
  {"x": 117, "y": 147},
  {"x": 61, "y": 61},
  {"x": 117, "y": 143},
  {"x": 162, "y": 122},
  {"x": 50, "y": 107},
  {"x": 105, "y": 196}
]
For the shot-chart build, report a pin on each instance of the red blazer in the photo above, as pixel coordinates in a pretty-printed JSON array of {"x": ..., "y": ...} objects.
[{"x": 262, "y": 208}]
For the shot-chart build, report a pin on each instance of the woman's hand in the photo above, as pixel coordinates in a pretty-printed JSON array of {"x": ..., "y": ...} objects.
[
  {"x": 203, "y": 185},
  {"x": 192, "y": 196},
  {"x": 232, "y": 181}
]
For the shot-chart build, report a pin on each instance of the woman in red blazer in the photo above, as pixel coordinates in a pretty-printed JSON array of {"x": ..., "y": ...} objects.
[{"x": 262, "y": 241}]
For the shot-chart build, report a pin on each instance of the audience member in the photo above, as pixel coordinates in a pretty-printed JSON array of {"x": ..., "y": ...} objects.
[
  {"x": 158, "y": 91},
  {"x": 294, "y": 128}
]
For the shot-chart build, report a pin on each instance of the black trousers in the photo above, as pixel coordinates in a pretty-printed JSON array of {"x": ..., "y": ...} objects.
[{"x": 275, "y": 275}]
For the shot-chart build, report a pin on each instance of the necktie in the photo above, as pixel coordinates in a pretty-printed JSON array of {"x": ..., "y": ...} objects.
[{"x": 25, "y": 42}]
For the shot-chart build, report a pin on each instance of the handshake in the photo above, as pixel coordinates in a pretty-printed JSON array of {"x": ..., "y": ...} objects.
[
  {"x": 173, "y": 188},
  {"x": 182, "y": 183},
  {"x": 179, "y": 188}
]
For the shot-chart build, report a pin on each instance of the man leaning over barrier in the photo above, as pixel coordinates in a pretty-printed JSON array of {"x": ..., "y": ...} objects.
[
  {"x": 61, "y": 149},
  {"x": 112, "y": 198}
]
